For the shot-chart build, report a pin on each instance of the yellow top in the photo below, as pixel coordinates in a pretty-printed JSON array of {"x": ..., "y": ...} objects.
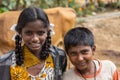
[{"x": 20, "y": 72}]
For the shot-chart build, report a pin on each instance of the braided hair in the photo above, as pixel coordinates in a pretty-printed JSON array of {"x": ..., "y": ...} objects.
[{"x": 28, "y": 15}]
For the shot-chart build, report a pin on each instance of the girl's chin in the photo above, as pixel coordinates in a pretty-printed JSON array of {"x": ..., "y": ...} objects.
[{"x": 36, "y": 48}]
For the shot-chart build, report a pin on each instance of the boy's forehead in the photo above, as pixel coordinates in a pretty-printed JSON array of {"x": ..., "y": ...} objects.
[{"x": 79, "y": 46}]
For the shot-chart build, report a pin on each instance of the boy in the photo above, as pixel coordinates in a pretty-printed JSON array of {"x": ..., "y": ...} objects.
[{"x": 80, "y": 48}]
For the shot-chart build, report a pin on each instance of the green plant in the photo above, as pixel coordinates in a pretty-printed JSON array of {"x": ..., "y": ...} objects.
[
  {"x": 20, "y": 4},
  {"x": 75, "y": 6},
  {"x": 118, "y": 4},
  {"x": 3, "y": 10}
]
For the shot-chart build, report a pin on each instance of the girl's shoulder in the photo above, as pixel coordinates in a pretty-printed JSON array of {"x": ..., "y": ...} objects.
[
  {"x": 6, "y": 59},
  {"x": 18, "y": 72}
]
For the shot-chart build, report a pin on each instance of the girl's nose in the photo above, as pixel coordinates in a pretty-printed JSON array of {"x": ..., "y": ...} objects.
[{"x": 35, "y": 38}]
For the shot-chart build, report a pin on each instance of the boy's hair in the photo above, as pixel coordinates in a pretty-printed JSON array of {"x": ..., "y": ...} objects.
[{"x": 78, "y": 36}]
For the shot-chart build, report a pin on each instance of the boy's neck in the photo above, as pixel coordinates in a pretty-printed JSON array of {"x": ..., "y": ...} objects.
[{"x": 88, "y": 71}]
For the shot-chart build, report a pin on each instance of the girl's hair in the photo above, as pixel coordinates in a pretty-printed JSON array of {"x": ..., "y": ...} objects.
[
  {"x": 28, "y": 15},
  {"x": 78, "y": 36}
]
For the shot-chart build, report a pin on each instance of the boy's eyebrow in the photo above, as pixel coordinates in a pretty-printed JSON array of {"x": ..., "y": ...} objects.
[
  {"x": 85, "y": 50},
  {"x": 79, "y": 50}
]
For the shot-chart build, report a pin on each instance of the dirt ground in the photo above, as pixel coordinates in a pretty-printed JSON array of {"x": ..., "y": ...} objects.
[{"x": 107, "y": 37}]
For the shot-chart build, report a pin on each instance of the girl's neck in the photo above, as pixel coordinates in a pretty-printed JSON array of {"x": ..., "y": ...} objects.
[{"x": 36, "y": 53}]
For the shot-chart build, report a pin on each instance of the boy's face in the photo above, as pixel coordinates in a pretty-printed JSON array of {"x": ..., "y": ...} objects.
[{"x": 81, "y": 56}]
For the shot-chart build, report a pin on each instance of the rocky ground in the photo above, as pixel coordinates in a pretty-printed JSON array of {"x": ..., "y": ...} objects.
[{"x": 106, "y": 29}]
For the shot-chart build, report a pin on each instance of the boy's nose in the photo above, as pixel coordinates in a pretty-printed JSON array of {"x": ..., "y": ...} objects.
[{"x": 80, "y": 57}]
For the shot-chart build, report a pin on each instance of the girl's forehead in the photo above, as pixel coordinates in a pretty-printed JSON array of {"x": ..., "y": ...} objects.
[
  {"x": 36, "y": 22},
  {"x": 35, "y": 25}
]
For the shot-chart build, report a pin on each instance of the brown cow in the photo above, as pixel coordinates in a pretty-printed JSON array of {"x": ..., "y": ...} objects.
[{"x": 62, "y": 18}]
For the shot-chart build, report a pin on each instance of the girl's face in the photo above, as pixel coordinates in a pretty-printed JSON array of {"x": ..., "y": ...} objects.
[
  {"x": 81, "y": 56},
  {"x": 34, "y": 35}
]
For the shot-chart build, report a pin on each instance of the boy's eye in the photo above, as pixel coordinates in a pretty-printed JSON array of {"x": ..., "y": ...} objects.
[
  {"x": 40, "y": 33},
  {"x": 84, "y": 51}
]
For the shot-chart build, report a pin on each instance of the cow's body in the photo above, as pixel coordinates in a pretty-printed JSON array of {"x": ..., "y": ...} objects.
[{"x": 62, "y": 18}]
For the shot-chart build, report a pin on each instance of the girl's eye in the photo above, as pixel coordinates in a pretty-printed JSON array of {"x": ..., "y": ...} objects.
[
  {"x": 72, "y": 54},
  {"x": 28, "y": 33},
  {"x": 40, "y": 33}
]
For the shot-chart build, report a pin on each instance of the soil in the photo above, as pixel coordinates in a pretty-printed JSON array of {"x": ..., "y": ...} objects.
[{"x": 106, "y": 30}]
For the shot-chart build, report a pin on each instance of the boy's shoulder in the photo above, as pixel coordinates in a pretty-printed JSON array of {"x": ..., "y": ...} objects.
[
  {"x": 109, "y": 65},
  {"x": 71, "y": 75},
  {"x": 69, "y": 72}
]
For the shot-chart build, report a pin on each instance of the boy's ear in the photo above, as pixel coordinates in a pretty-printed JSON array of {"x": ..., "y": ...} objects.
[{"x": 93, "y": 49}]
